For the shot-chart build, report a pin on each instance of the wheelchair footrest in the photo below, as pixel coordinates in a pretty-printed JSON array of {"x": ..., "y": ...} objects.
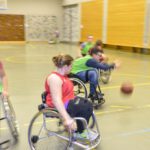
[{"x": 98, "y": 103}]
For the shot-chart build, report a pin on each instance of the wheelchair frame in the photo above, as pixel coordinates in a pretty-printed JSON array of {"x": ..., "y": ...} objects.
[
  {"x": 104, "y": 76},
  {"x": 70, "y": 139},
  {"x": 9, "y": 115},
  {"x": 77, "y": 82},
  {"x": 45, "y": 110},
  {"x": 80, "y": 83}
]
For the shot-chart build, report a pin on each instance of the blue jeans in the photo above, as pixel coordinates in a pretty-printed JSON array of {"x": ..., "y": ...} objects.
[{"x": 92, "y": 77}]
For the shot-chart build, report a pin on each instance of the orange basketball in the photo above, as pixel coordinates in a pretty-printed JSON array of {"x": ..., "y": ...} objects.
[{"x": 127, "y": 88}]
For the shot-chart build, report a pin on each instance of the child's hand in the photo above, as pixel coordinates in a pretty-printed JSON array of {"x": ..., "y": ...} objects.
[
  {"x": 117, "y": 63},
  {"x": 70, "y": 124},
  {"x": 5, "y": 93}
]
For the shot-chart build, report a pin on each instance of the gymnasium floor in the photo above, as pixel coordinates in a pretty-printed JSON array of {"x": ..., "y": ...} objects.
[{"x": 123, "y": 120}]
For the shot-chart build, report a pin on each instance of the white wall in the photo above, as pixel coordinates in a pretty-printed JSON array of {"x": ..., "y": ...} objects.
[
  {"x": 36, "y": 7},
  {"x": 32, "y": 7},
  {"x": 71, "y": 2}
]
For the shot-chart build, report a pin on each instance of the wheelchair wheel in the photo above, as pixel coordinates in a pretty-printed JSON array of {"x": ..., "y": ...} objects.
[
  {"x": 92, "y": 121},
  {"x": 11, "y": 119},
  {"x": 79, "y": 88},
  {"x": 5, "y": 145},
  {"x": 105, "y": 76},
  {"x": 46, "y": 132}
]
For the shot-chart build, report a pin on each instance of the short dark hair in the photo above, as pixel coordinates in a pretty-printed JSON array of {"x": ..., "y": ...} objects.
[
  {"x": 98, "y": 43},
  {"x": 94, "y": 50}
]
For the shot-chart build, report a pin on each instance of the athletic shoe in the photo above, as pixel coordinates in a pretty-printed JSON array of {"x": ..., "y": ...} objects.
[
  {"x": 86, "y": 135},
  {"x": 96, "y": 96}
]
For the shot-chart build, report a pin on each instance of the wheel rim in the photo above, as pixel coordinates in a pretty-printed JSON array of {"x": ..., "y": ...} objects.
[
  {"x": 43, "y": 131},
  {"x": 79, "y": 88}
]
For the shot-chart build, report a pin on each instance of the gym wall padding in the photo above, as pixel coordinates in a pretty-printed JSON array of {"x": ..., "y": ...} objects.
[
  {"x": 125, "y": 21},
  {"x": 91, "y": 19},
  {"x": 11, "y": 27}
]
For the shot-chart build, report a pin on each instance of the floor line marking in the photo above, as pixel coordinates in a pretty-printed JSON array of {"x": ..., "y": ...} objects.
[
  {"x": 126, "y": 134},
  {"x": 118, "y": 86},
  {"x": 134, "y": 75},
  {"x": 135, "y": 132},
  {"x": 9, "y": 59},
  {"x": 122, "y": 108}
]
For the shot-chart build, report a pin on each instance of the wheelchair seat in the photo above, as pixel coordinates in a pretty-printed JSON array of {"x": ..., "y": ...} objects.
[
  {"x": 71, "y": 75},
  {"x": 44, "y": 105}
]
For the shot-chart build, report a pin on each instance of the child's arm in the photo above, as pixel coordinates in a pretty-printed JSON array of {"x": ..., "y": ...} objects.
[{"x": 4, "y": 80}]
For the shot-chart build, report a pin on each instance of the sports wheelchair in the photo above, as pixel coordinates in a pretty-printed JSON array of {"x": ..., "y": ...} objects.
[
  {"x": 80, "y": 89},
  {"x": 104, "y": 75},
  {"x": 46, "y": 131},
  {"x": 10, "y": 117}
]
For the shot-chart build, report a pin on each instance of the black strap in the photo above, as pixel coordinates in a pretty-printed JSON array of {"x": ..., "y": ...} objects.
[{"x": 86, "y": 76}]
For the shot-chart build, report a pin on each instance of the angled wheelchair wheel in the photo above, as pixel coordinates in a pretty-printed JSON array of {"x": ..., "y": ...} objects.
[
  {"x": 79, "y": 88},
  {"x": 47, "y": 132},
  {"x": 11, "y": 118},
  {"x": 105, "y": 76}
]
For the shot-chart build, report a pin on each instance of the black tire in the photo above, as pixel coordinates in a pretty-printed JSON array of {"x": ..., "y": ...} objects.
[
  {"x": 42, "y": 132},
  {"x": 11, "y": 119},
  {"x": 79, "y": 88}
]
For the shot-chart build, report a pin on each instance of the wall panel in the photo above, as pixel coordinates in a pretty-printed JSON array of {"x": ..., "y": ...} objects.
[
  {"x": 116, "y": 22},
  {"x": 125, "y": 24},
  {"x": 11, "y": 27},
  {"x": 91, "y": 19}
]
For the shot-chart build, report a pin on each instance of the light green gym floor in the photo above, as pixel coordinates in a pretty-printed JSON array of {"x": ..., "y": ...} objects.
[{"x": 123, "y": 120}]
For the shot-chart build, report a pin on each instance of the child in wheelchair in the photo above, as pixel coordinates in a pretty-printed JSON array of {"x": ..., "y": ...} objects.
[
  {"x": 104, "y": 74},
  {"x": 60, "y": 95},
  {"x": 86, "y": 69}
]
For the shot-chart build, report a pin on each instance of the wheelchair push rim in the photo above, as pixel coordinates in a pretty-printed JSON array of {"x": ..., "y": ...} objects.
[
  {"x": 47, "y": 138},
  {"x": 79, "y": 88},
  {"x": 10, "y": 117},
  {"x": 68, "y": 140}
]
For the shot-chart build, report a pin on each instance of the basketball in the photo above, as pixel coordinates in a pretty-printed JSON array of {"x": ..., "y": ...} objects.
[{"x": 127, "y": 88}]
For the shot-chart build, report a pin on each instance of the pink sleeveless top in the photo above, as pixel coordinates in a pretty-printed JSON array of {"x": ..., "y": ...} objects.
[{"x": 67, "y": 90}]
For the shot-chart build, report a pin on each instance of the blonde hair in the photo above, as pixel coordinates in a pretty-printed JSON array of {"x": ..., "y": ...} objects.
[{"x": 62, "y": 60}]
